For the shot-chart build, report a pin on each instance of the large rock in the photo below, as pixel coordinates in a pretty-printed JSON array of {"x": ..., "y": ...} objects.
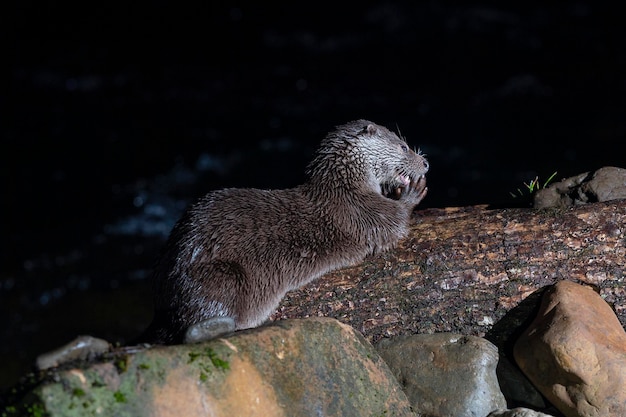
[
  {"x": 445, "y": 374},
  {"x": 607, "y": 183},
  {"x": 604, "y": 184},
  {"x": 292, "y": 368},
  {"x": 575, "y": 353}
]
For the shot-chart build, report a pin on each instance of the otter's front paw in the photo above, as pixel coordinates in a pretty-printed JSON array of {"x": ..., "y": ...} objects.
[{"x": 415, "y": 192}]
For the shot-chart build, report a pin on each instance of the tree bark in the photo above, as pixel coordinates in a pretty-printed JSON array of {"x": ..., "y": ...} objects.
[{"x": 464, "y": 269}]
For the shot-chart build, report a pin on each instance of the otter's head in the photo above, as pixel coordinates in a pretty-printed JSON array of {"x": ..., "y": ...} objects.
[
  {"x": 362, "y": 154},
  {"x": 395, "y": 166}
]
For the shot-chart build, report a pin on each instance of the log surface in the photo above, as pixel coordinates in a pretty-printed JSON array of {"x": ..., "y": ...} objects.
[{"x": 463, "y": 269}]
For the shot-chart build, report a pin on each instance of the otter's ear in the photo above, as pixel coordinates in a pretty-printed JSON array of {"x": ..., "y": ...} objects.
[{"x": 370, "y": 129}]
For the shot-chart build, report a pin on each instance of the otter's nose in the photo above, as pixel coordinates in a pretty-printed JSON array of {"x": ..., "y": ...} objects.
[{"x": 426, "y": 165}]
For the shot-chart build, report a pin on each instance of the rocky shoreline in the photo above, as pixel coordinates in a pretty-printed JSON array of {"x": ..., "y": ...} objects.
[
  {"x": 574, "y": 352},
  {"x": 550, "y": 345}
]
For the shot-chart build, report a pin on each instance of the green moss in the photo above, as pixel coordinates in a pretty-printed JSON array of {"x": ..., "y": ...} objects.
[
  {"x": 93, "y": 391},
  {"x": 28, "y": 410},
  {"x": 9, "y": 411},
  {"x": 36, "y": 410},
  {"x": 207, "y": 367},
  {"x": 119, "y": 396},
  {"x": 78, "y": 392},
  {"x": 217, "y": 362},
  {"x": 193, "y": 356},
  {"x": 121, "y": 364},
  {"x": 98, "y": 384}
]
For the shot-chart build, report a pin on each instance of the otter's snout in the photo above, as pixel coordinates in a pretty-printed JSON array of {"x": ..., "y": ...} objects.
[{"x": 421, "y": 163}]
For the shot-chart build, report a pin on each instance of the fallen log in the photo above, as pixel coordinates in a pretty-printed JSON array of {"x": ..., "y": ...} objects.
[{"x": 463, "y": 269}]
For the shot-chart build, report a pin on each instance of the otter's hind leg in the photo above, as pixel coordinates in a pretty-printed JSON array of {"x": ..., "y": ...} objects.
[
  {"x": 222, "y": 284},
  {"x": 209, "y": 329}
]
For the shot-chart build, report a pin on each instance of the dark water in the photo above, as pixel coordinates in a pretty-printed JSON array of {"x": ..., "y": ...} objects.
[{"x": 115, "y": 120}]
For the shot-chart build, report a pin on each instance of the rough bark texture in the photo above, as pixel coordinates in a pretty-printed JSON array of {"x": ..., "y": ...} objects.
[{"x": 474, "y": 271}]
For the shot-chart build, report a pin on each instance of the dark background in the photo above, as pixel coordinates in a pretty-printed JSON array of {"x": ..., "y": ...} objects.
[{"x": 116, "y": 116}]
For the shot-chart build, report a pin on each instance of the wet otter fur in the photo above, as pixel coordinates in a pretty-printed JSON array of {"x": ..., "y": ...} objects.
[{"x": 234, "y": 253}]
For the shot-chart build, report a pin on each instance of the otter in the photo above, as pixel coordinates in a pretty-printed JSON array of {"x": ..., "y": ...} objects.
[{"x": 235, "y": 252}]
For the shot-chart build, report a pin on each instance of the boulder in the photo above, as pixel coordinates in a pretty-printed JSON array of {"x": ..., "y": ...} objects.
[
  {"x": 303, "y": 367},
  {"x": 574, "y": 352},
  {"x": 445, "y": 374},
  {"x": 604, "y": 184}
]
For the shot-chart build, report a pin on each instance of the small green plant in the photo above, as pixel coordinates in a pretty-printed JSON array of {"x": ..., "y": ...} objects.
[{"x": 533, "y": 186}]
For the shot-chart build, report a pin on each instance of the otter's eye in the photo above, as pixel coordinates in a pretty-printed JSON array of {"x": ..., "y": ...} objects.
[{"x": 405, "y": 148}]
